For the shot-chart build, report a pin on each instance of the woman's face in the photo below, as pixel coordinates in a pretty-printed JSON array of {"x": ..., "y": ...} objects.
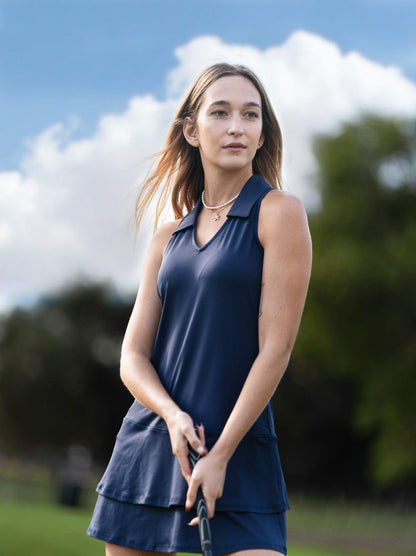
[{"x": 228, "y": 128}]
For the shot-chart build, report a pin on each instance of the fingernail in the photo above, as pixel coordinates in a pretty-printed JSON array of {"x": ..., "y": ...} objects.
[
  {"x": 187, "y": 504},
  {"x": 201, "y": 450}
]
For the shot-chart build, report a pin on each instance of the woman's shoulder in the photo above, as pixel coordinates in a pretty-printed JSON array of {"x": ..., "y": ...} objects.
[
  {"x": 281, "y": 213},
  {"x": 279, "y": 203},
  {"x": 281, "y": 200},
  {"x": 167, "y": 229},
  {"x": 163, "y": 234}
]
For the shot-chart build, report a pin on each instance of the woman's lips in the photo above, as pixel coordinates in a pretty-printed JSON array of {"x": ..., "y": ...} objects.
[{"x": 235, "y": 147}]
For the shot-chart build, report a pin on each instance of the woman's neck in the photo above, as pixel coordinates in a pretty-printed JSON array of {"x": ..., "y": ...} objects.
[{"x": 224, "y": 185}]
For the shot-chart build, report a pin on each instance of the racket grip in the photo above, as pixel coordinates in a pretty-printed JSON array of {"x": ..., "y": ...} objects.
[{"x": 204, "y": 528}]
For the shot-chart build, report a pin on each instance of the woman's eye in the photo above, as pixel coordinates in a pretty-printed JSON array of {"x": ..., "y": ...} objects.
[
  {"x": 219, "y": 113},
  {"x": 252, "y": 115}
]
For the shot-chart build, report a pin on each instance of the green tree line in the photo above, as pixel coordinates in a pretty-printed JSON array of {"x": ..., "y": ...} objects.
[{"x": 346, "y": 415}]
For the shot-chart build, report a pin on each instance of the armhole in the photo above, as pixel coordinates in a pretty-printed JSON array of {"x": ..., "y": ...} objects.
[
  {"x": 256, "y": 210},
  {"x": 166, "y": 248},
  {"x": 164, "y": 252},
  {"x": 170, "y": 241}
]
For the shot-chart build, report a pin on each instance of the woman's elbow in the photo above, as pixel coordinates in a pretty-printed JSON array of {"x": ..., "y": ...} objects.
[
  {"x": 131, "y": 361},
  {"x": 278, "y": 354},
  {"x": 125, "y": 365},
  {"x": 283, "y": 355}
]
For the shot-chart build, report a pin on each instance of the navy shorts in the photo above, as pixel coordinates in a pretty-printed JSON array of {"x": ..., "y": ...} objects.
[{"x": 158, "y": 529}]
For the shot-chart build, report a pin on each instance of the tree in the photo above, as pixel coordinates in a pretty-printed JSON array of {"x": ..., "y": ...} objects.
[
  {"x": 59, "y": 378},
  {"x": 360, "y": 321}
]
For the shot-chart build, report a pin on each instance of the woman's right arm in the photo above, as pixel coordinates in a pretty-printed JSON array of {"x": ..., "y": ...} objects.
[{"x": 136, "y": 369}]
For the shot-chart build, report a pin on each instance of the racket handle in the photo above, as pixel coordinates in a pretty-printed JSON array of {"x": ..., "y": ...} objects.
[{"x": 204, "y": 528}]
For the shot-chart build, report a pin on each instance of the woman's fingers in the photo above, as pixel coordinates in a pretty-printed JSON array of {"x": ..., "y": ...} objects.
[
  {"x": 197, "y": 442},
  {"x": 194, "y": 485},
  {"x": 182, "y": 432},
  {"x": 209, "y": 474},
  {"x": 201, "y": 433},
  {"x": 210, "y": 513},
  {"x": 191, "y": 494},
  {"x": 190, "y": 437},
  {"x": 186, "y": 468},
  {"x": 210, "y": 502}
]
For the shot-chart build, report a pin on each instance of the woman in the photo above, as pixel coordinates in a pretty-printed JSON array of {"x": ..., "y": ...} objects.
[{"x": 210, "y": 335}]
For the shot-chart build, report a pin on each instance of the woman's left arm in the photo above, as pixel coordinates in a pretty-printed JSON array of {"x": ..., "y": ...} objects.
[{"x": 283, "y": 231}]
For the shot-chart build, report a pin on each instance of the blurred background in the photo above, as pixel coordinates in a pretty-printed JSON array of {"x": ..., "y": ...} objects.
[{"x": 88, "y": 90}]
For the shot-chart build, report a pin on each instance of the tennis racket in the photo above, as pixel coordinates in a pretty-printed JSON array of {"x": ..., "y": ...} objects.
[{"x": 201, "y": 510}]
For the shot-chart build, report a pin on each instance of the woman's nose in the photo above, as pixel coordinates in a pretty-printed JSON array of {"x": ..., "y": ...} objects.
[{"x": 236, "y": 126}]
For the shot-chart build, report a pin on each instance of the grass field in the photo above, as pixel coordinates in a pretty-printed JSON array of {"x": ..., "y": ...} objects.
[{"x": 314, "y": 529}]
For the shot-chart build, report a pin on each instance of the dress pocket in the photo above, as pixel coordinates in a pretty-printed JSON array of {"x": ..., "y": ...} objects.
[
  {"x": 255, "y": 480},
  {"x": 142, "y": 468}
]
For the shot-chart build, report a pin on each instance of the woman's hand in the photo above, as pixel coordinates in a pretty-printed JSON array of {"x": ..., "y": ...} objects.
[
  {"x": 182, "y": 431},
  {"x": 209, "y": 474}
]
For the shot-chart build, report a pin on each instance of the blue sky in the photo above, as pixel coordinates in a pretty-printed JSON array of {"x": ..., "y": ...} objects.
[
  {"x": 88, "y": 89},
  {"x": 87, "y": 57}
]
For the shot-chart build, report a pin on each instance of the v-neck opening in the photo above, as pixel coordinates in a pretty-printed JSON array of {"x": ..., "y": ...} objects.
[{"x": 194, "y": 241}]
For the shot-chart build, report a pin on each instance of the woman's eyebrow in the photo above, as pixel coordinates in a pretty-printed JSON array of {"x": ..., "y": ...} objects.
[{"x": 226, "y": 103}]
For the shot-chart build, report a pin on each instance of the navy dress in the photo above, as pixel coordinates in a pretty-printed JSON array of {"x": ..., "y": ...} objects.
[{"x": 206, "y": 343}]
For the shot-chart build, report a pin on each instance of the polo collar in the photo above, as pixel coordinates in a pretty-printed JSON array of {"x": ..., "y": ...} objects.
[{"x": 252, "y": 190}]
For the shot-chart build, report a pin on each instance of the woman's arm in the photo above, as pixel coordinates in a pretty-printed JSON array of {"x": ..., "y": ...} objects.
[
  {"x": 283, "y": 231},
  {"x": 136, "y": 369}
]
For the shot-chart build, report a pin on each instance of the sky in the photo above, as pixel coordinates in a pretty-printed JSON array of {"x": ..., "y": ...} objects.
[{"x": 88, "y": 89}]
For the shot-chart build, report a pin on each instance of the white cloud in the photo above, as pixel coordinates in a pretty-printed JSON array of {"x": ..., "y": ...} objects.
[{"x": 68, "y": 208}]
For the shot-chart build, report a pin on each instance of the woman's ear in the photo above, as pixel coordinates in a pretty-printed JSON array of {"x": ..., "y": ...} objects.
[
  {"x": 261, "y": 141},
  {"x": 189, "y": 132}
]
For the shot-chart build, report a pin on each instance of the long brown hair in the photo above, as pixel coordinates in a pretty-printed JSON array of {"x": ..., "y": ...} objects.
[{"x": 179, "y": 173}]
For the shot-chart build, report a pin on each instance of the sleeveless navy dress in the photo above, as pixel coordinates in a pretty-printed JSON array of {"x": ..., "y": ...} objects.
[{"x": 206, "y": 343}]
